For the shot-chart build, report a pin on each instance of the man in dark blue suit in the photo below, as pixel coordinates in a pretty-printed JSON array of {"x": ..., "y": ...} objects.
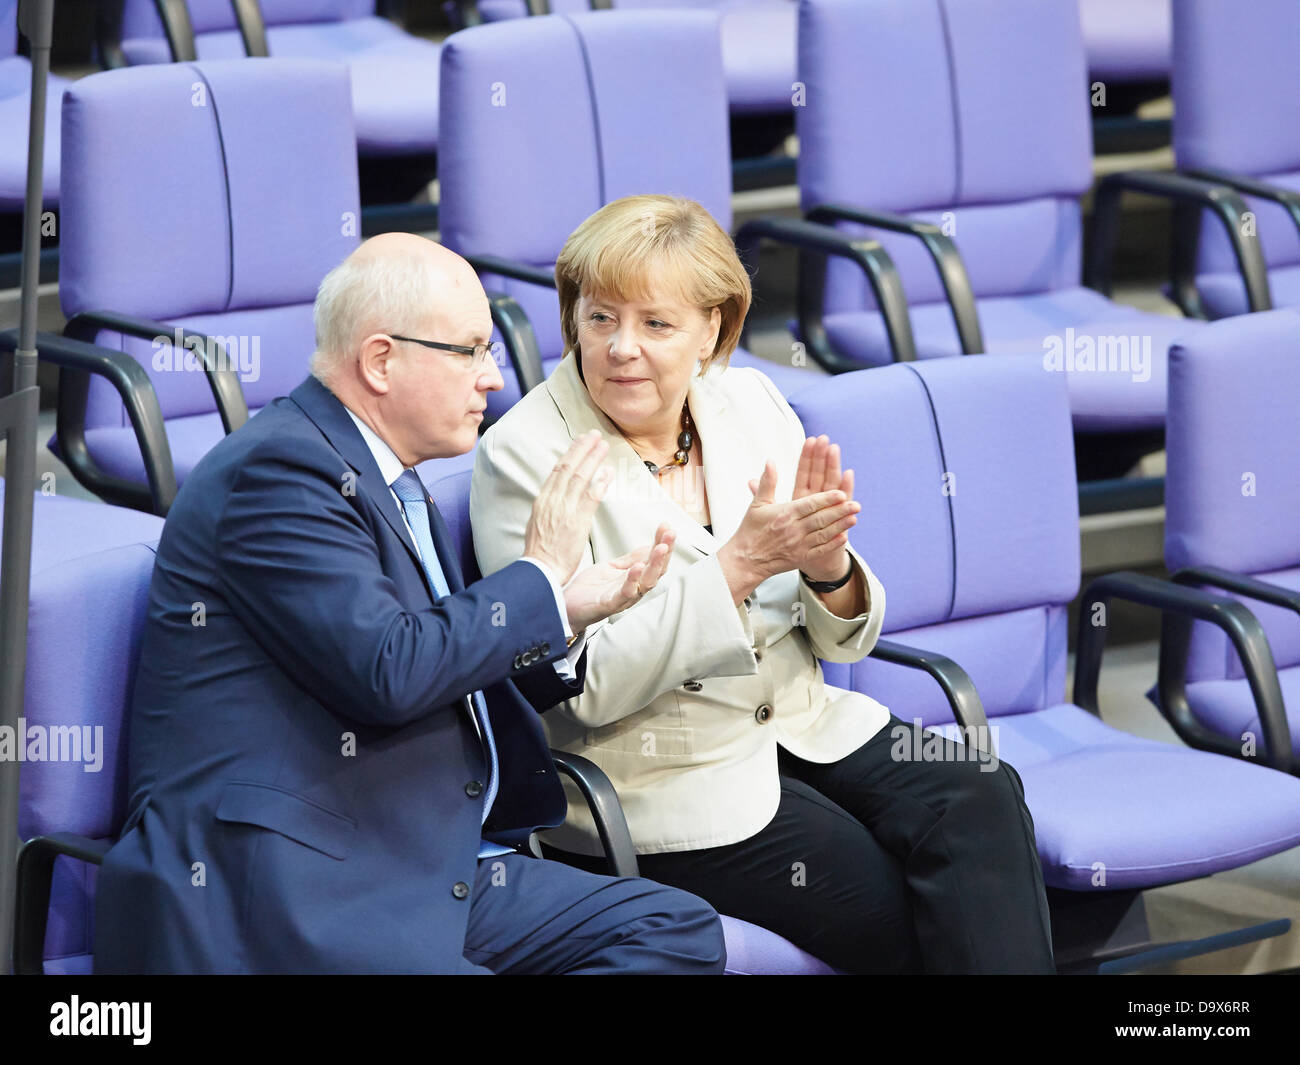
[{"x": 332, "y": 766}]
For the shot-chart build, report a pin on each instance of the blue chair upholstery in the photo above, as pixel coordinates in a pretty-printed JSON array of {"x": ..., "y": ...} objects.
[{"x": 15, "y": 106}]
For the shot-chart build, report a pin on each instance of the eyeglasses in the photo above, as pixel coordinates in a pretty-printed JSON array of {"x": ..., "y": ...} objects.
[{"x": 478, "y": 354}]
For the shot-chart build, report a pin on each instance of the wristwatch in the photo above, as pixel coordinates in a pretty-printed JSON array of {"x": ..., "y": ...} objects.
[{"x": 827, "y": 586}]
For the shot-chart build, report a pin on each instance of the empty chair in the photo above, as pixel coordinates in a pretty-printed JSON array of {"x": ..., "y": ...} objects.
[
  {"x": 394, "y": 75},
  {"x": 964, "y": 466},
  {"x": 1237, "y": 119},
  {"x": 750, "y": 949},
  {"x": 1232, "y": 520},
  {"x": 75, "y": 705},
  {"x": 15, "y": 104},
  {"x": 545, "y": 120},
  {"x": 966, "y": 122},
  {"x": 234, "y": 252}
]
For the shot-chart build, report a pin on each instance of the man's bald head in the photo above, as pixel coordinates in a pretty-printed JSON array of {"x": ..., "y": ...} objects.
[{"x": 392, "y": 283}]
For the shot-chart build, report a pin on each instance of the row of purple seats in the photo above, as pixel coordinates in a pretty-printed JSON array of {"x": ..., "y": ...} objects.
[
  {"x": 394, "y": 82},
  {"x": 1238, "y": 123},
  {"x": 989, "y": 146},
  {"x": 758, "y": 42}
]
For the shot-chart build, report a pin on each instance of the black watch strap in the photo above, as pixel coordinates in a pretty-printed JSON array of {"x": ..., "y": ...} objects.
[{"x": 827, "y": 586}]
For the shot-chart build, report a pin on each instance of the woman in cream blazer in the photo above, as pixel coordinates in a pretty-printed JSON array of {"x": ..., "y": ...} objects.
[{"x": 744, "y": 777}]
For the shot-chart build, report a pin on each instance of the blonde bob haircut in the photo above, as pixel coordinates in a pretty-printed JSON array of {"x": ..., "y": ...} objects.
[{"x": 631, "y": 248}]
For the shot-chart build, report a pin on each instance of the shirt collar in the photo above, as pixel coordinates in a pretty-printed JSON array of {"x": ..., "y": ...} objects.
[{"x": 390, "y": 466}]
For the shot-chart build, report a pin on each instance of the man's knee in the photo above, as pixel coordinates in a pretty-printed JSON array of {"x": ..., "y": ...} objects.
[{"x": 684, "y": 929}]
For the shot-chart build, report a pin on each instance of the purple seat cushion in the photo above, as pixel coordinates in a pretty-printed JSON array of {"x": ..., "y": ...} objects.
[
  {"x": 754, "y": 951},
  {"x": 1140, "y": 812},
  {"x": 1228, "y": 708},
  {"x": 64, "y": 528},
  {"x": 190, "y": 438},
  {"x": 1131, "y": 396},
  {"x": 1127, "y": 40}
]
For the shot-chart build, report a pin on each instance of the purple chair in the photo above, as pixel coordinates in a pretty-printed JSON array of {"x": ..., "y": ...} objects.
[
  {"x": 394, "y": 75},
  {"x": 934, "y": 125},
  {"x": 15, "y": 103},
  {"x": 1236, "y": 114},
  {"x": 750, "y": 949},
  {"x": 1127, "y": 41},
  {"x": 232, "y": 254},
  {"x": 580, "y": 93},
  {"x": 70, "y": 810},
  {"x": 758, "y": 41},
  {"x": 964, "y": 465},
  {"x": 1231, "y": 515}
]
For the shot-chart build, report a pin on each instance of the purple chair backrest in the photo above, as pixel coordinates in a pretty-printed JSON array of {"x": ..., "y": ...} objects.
[
  {"x": 451, "y": 495},
  {"x": 8, "y": 28},
  {"x": 1232, "y": 490},
  {"x": 1237, "y": 108},
  {"x": 972, "y": 114},
  {"x": 210, "y": 195},
  {"x": 86, "y": 623},
  {"x": 970, "y": 520},
  {"x": 545, "y": 120},
  {"x": 140, "y": 17}
]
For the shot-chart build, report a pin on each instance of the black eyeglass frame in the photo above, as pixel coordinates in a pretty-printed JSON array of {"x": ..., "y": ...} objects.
[{"x": 456, "y": 349}]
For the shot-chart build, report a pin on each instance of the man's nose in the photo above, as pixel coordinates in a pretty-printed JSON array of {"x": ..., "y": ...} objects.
[{"x": 490, "y": 380}]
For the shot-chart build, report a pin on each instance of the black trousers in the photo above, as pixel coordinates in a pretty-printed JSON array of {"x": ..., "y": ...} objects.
[{"x": 886, "y": 862}]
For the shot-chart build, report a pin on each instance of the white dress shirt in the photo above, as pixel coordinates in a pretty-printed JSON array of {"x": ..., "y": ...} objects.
[{"x": 390, "y": 468}]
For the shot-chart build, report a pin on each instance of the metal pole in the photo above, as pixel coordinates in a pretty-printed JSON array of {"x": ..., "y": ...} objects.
[{"x": 18, "y": 414}]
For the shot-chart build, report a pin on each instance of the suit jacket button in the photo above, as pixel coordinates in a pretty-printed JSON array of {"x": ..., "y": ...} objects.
[
  {"x": 546, "y": 648},
  {"x": 460, "y": 889},
  {"x": 517, "y": 663},
  {"x": 474, "y": 789},
  {"x": 693, "y": 686},
  {"x": 764, "y": 714}
]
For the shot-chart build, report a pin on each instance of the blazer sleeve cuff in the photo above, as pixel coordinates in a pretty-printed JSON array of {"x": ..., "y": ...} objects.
[{"x": 837, "y": 639}]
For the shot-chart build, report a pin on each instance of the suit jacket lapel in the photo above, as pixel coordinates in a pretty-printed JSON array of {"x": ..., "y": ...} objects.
[{"x": 330, "y": 416}]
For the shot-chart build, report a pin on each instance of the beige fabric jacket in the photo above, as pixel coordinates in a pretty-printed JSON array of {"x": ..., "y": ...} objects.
[{"x": 687, "y": 695}]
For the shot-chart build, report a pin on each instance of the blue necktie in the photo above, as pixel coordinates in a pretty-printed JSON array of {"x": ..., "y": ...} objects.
[{"x": 410, "y": 491}]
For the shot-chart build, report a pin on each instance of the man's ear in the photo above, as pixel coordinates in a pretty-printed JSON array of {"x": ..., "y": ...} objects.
[{"x": 375, "y": 363}]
